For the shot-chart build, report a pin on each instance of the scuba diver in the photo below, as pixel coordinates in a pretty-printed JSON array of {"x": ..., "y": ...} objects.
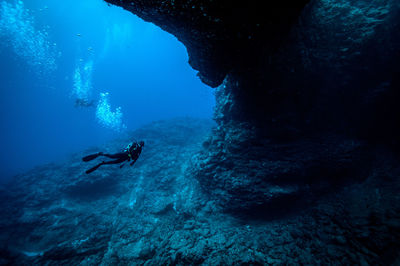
[
  {"x": 131, "y": 152},
  {"x": 83, "y": 103}
]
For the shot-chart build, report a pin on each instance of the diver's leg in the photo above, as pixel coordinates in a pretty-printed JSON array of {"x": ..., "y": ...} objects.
[
  {"x": 91, "y": 157},
  {"x": 120, "y": 160},
  {"x": 94, "y": 168},
  {"x": 114, "y": 156},
  {"x": 109, "y": 162}
]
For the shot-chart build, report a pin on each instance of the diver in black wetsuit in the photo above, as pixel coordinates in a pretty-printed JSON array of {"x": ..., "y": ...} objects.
[
  {"x": 131, "y": 152},
  {"x": 83, "y": 103}
]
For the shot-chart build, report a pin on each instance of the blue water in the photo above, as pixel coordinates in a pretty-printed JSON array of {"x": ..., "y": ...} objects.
[{"x": 125, "y": 71}]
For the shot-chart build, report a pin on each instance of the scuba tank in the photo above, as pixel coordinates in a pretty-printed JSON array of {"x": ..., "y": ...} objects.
[{"x": 130, "y": 148}]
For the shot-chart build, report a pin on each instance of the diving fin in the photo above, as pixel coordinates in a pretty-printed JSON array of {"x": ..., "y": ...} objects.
[
  {"x": 93, "y": 168},
  {"x": 90, "y": 157}
]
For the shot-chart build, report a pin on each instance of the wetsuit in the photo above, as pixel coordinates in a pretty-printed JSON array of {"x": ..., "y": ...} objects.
[{"x": 132, "y": 152}]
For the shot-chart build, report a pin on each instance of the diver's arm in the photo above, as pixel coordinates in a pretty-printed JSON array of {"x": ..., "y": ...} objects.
[{"x": 134, "y": 160}]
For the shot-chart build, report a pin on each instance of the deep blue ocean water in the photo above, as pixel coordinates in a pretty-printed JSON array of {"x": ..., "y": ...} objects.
[{"x": 75, "y": 74}]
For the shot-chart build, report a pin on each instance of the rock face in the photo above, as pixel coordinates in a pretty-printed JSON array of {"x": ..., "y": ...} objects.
[
  {"x": 306, "y": 92},
  {"x": 155, "y": 213},
  {"x": 221, "y": 36}
]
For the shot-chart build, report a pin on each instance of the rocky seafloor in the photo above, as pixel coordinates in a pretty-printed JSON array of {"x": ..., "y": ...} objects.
[{"x": 157, "y": 213}]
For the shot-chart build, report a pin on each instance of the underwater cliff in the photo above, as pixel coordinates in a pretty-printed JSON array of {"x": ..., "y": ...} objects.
[
  {"x": 299, "y": 167},
  {"x": 305, "y": 92}
]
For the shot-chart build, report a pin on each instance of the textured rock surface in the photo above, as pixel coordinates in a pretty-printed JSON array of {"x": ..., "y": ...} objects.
[
  {"x": 155, "y": 214},
  {"x": 220, "y": 36},
  {"x": 309, "y": 89}
]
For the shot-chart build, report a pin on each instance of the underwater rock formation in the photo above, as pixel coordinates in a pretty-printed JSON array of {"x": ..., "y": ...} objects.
[
  {"x": 155, "y": 213},
  {"x": 306, "y": 91},
  {"x": 221, "y": 36},
  {"x": 304, "y": 155}
]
